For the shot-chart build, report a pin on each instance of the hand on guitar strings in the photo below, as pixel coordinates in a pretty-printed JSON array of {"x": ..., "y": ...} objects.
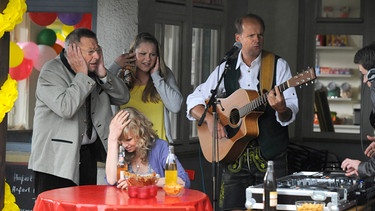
[
  {"x": 276, "y": 100},
  {"x": 221, "y": 133}
]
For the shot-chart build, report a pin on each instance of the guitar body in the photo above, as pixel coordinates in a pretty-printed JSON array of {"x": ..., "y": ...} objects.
[
  {"x": 239, "y": 114},
  {"x": 240, "y": 130}
]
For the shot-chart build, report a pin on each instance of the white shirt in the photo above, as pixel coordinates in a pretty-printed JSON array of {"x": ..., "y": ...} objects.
[{"x": 249, "y": 81}]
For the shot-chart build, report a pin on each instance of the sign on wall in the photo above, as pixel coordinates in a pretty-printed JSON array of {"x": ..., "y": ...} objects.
[{"x": 21, "y": 182}]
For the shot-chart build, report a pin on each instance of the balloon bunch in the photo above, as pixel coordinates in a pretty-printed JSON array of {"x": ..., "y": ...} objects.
[
  {"x": 77, "y": 20},
  {"x": 21, "y": 59},
  {"x": 24, "y": 56}
]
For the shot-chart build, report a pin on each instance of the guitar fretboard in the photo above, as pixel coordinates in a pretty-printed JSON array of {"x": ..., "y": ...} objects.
[{"x": 261, "y": 100}]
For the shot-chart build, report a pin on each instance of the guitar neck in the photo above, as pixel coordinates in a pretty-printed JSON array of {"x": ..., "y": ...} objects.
[
  {"x": 302, "y": 78},
  {"x": 284, "y": 86},
  {"x": 259, "y": 101}
]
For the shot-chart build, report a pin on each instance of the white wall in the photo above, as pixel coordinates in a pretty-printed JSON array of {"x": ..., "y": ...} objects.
[
  {"x": 117, "y": 25},
  {"x": 281, "y": 20}
]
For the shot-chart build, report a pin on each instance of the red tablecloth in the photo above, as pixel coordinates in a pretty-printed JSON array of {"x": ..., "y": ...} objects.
[{"x": 103, "y": 197}]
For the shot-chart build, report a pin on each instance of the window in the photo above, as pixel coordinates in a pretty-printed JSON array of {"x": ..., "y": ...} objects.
[
  {"x": 169, "y": 37},
  {"x": 190, "y": 39},
  {"x": 203, "y": 60}
]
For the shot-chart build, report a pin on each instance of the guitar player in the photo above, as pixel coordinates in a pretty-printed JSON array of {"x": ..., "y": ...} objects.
[{"x": 250, "y": 68}]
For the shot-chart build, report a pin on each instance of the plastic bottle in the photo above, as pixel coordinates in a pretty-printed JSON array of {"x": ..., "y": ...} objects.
[
  {"x": 171, "y": 168},
  {"x": 270, "y": 191},
  {"x": 122, "y": 166}
]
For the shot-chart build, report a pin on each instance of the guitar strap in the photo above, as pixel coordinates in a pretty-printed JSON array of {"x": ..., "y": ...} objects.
[{"x": 267, "y": 71}]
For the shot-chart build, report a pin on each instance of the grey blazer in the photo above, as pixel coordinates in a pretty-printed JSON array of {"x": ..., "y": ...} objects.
[{"x": 60, "y": 113}]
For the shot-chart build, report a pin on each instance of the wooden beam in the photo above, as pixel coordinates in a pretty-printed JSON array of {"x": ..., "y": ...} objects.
[{"x": 4, "y": 68}]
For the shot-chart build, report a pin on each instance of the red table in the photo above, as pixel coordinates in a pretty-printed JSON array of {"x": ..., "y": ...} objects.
[{"x": 104, "y": 197}]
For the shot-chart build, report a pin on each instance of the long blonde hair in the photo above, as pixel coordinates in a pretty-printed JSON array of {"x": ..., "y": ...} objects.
[
  {"x": 141, "y": 128},
  {"x": 149, "y": 94}
]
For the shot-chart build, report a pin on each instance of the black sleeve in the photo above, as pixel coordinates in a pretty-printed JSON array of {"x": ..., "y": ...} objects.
[{"x": 372, "y": 119}]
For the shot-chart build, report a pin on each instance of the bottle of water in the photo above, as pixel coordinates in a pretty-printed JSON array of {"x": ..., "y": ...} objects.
[
  {"x": 270, "y": 192},
  {"x": 171, "y": 168},
  {"x": 122, "y": 166}
]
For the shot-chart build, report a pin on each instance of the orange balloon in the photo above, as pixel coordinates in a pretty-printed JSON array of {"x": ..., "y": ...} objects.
[{"x": 57, "y": 48}]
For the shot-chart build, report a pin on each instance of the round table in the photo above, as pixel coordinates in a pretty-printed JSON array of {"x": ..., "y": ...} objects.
[{"x": 104, "y": 197}]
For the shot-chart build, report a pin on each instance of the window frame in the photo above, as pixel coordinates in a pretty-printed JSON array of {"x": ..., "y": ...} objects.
[{"x": 188, "y": 15}]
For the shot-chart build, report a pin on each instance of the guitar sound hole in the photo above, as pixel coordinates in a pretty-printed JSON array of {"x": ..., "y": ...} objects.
[{"x": 234, "y": 117}]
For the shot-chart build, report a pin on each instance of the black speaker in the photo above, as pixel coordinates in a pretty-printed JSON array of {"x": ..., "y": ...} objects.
[{"x": 371, "y": 75}]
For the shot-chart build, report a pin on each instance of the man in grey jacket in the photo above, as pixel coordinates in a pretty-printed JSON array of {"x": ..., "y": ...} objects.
[
  {"x": 365, "y": 58},
  {"x": 74, "y": 95}
]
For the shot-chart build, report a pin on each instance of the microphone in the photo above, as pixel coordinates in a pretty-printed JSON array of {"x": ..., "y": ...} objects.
[{"x": 236, "y": 46}]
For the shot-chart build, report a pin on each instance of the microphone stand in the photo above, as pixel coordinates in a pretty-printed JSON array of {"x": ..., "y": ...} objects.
[{"x": 215, "y": 146}]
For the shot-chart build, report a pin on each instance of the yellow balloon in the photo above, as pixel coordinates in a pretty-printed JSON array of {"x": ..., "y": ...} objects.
[
  {"x": 15, "y": 55},
  {"x": 60, "y": 36},
  {"x": 66, "y": 29}
]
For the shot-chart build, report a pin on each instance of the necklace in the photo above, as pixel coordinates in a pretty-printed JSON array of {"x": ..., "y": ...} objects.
[{"x": 137, "y": 166}]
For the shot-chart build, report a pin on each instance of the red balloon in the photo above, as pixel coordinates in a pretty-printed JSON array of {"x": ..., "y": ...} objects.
[
  {"x": 43, "y": 18},
  {"x": 85, "y": 22},
  {"x": 22, "y": 71}
]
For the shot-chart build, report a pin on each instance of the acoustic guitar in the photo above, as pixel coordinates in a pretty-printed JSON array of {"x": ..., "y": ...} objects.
[{"x": 239, "y": 114}]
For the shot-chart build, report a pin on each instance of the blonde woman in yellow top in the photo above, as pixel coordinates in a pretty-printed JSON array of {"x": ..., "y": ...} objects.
[{"x": 153, "y": 87}]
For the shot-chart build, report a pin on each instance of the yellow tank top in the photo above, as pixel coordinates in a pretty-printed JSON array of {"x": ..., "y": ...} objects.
[{"x": 153, "y": 111}]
